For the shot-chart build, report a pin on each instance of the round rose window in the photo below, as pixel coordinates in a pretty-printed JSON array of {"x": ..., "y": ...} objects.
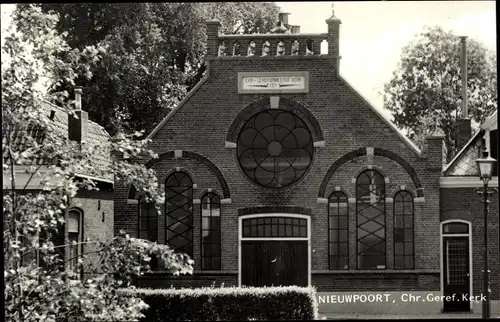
[{"x": 275, "y": 148}]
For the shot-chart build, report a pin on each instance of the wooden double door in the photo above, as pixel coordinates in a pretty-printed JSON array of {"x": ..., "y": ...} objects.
[{"x": 274, "y": 263}]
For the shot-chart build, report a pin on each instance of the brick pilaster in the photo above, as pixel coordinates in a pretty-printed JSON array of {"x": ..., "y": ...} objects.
[{"x": 213, "y": 37}]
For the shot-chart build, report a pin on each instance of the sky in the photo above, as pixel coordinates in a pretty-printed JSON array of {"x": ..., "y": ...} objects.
[{"x": 373, "y": 33}]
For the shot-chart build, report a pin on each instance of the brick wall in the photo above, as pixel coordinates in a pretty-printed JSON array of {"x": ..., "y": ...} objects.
[
  {"x": 466, "y": 204},
  {"x": 97, "y": 221},
  {"x": 98, "y": 218},
  {"x": 401, "y": 281},
  {"x": 201, "y": 126}
]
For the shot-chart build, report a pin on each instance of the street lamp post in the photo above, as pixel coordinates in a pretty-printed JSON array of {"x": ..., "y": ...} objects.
[{"x": 486, "y": 171}]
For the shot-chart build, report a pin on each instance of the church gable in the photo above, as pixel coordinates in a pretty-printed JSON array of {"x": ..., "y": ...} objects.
[
  {"x": 274, "y": 159},
  {"x": 280, "y": 70}
]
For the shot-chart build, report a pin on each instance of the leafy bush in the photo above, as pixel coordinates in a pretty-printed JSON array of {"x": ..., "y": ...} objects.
[{"x": 232, "y": 303}]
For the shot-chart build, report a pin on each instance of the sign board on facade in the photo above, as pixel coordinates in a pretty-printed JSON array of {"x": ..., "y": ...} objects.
[{"x": 273, "y": 82}]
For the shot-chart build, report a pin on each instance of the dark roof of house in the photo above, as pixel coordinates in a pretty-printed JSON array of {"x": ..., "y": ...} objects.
[
  {"x": 464, "y": 163},
  {"x": 58, "y": 116}
]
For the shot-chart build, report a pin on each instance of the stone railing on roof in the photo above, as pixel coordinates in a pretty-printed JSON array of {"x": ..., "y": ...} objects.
[
  {"x": 262, "y": 45},
  {"x": 284, "y": 41}
]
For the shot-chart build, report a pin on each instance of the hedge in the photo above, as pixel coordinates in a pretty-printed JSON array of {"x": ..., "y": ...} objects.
[{"x": 228, "y": 304}]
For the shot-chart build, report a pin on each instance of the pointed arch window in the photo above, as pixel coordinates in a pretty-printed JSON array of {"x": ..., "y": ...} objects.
[
  {"x": 338, "y": 230},
  {"x": 210, "y": 232},
  {"x": 179, "y": 213},
  {"x": 371, "y": 220},
  {"x": 403, "y": 230}
]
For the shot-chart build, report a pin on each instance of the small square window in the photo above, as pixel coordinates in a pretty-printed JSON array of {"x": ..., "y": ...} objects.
[
  {"x": 254, "y": 231},
  {"x": 260, "y": 230},
  {"x": 334, "y": 236},
  {"x": 408, "y": 235},
  {"x": 343, "y": 236},
  {"x": 408, "y": 248},
  {"x": 334, "y": 222},
  {"x": 281, "y": 231},
  {"x": 409, "y": 264},
  {"x": 343, "y": 222},
  {"x": 398, "y": 222},
  {"x": 246, "y": 231},
  {"x": 343, "y": 262},
  {"x": 398, "y": 248},
  {"x": 399, "y": 261},
  {"x": 205, "y": 222},
  {"x": 408, "y": 221},
  {"x": 207, "y": 250},
  {"x": 334, "y": 249},
  {"x": 343, "y": 249},
  {"x": 275, "y": 230},
  {"x": 399, "y": 235},
  {"x": 268, "y": 232},
  {"x": 215, "y": 263}
]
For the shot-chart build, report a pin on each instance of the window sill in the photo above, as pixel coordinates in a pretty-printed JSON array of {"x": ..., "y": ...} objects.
[{"x": 376, "y": 271}]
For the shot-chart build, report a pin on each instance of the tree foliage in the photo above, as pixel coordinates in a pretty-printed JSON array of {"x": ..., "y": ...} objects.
[
  {"x": 37, "y": 284},
  {"x": 425, "y": 89},
  {"x": 154, "y": 52}
]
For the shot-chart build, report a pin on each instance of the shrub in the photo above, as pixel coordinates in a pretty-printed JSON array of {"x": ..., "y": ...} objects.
[{"x": 232, "y": 303}]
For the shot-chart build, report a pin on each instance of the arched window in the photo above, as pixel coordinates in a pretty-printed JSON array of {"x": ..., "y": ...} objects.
[
  {"x": 179, "y": 213},
  {"x": 74, "y": 238},
  {"x": 403, "y": 231},
  {"x": 210, "y": 232},
  {"x": 370, "y": 216},
  {"x": 338, "y": 230}
]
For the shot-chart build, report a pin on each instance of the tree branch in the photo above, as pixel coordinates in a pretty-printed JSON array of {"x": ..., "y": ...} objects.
[
  {"x": 66, "y": 245},
  {"x": 31, "y": 177}
]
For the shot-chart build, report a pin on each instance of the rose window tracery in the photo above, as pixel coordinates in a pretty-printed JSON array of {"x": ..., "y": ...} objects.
[{"x": 275, "y": 148}]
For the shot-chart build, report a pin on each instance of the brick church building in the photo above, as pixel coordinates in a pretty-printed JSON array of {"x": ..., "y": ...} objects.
[{"x": 277, "y": 172}]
